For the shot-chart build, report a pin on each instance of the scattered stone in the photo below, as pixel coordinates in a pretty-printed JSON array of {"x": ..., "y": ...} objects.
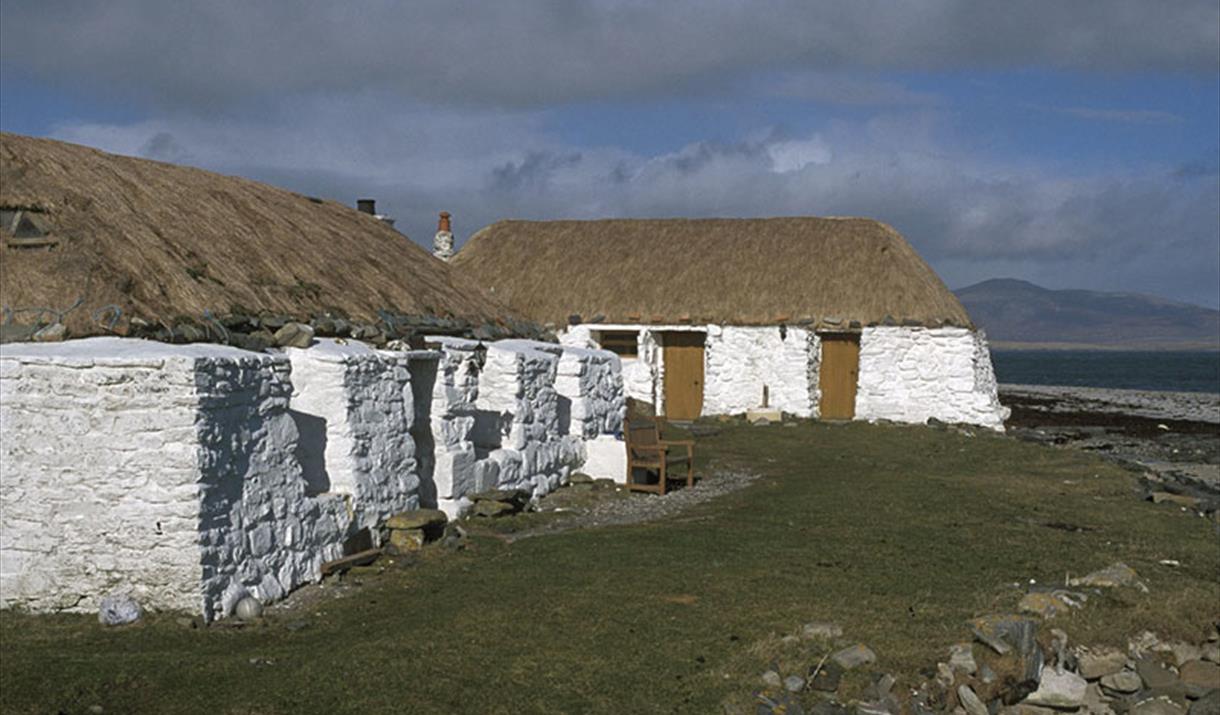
[
  {"x": 880, "y": 688},
  {"x": 1100, "y": 662},
  {"x": 1154, "y": 673},
  {"x": 187, "y": 622},
  {"x": 1002, "y": 633},
  {"x": 987, "y": 675},
  {"x": 772, "y": 680},
  {"x": 1210, "y": 652},
  {"x": 1096, "y": 702},
  {"x": 417, "y": 519},
  {"x": 407, "y": 539},
  {"x": 822, "y": 631},
  {"x": 970, "y": 701},
  {"x": 794, "y": 683},
  {"x": 581, "y": 482},
  {"x": 1042, "y": 603},
  {"x": 454, "y": 538},
  {"x": 53, "y": 333},
  {"x": 96, "y": 709},
  {"x": 1199, "y": 677},
  {"x": 1160, "y": 705},
  {"x": 248, "y": 608},
  {"x": 1209, "y": 704},
  {"x": 827, "y": 678},
  {"x": 854, "y": 656},
  {"x": 1142, "y": 643},
  {"x": 293, "y": 335},
  {"x": 828, "y": 707},
  {"x": 296, "y": 625},
  {"x": 1113, "y": 576},
  {"x": 604, "y": 484},
  {"x": 493, "y": 509},
  {"x": 1064, "y": 690},
  {"x": 1124, "y": 681},
  {"x": 944, "y": 675},
  {"x": 1183, "y": 653},
  {"x": 118, "y": 609},
  {"x": 961, "y": 658},
  {"x": 1177, "y": 499}
]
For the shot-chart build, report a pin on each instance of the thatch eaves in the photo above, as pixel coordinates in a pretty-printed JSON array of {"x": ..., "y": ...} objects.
[
  {"x": 828, "y": 272},
  {"x": 162, "y": 241}
]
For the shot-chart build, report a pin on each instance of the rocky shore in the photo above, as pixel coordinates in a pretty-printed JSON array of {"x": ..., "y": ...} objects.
[{"x": 1171, "y": 438}]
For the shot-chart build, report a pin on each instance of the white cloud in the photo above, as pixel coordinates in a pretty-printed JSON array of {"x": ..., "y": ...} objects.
[{"x": 968, "y": 215}]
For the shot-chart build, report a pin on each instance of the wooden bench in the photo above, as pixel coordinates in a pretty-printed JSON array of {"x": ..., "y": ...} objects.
[{"x": 647, "y": 451}]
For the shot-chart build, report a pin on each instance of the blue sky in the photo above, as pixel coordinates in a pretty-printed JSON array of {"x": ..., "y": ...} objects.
[{"x": 1071, "y": 144}]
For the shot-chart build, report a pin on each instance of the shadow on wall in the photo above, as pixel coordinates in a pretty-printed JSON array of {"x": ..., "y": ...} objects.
[
  {"x": 423, "y": 380},
  {"x": 311, "y": 452},
  {"x": 564, "y": 410},
  {"x": 489, "y": 430}
]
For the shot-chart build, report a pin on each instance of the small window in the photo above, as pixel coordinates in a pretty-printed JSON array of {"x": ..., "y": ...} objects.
[{"x": 620, "y": 342}]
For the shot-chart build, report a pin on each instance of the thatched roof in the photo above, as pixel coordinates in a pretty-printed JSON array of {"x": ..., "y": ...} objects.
[
  {"x": 823, "y": 271},
  {"x": 162, "y": 241}
]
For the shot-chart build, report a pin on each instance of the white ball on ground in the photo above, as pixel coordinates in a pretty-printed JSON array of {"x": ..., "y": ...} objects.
[{"x": 248, "y": 608}]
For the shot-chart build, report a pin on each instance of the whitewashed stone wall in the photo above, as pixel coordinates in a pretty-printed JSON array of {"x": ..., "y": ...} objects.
[
  {"x": 591, "y": 383},
  {"x": 913, "y": 374},
  {"x": 740, "y": 361},
  {"x": 353, "y": 407},
  {"x": 639, "y": 374},
  {"x": 166, "y": 472},
  {"x": 518, "y": 385},
  {"x": 454, "y": 395}
]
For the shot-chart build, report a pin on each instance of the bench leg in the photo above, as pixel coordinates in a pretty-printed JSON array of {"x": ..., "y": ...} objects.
[{"x": 662, "y": 474}]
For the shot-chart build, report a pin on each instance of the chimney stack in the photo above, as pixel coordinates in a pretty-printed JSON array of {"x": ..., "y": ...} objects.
[
  {"x": 442, "y": 243},
  {"x": 369, "y": 206}
]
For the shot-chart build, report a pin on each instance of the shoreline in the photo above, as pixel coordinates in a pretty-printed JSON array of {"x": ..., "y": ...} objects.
[{"x": 1171, "y": 438}]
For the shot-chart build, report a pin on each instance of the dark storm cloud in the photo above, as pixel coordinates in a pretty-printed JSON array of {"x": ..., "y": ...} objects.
[{"x": 204, "y": 55}]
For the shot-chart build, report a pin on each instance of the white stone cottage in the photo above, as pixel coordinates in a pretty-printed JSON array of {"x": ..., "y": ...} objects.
[{"x": 836, "y": 318}]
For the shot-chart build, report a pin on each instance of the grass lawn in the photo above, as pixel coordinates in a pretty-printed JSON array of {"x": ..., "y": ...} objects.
[{"x": 898, "y": 534}]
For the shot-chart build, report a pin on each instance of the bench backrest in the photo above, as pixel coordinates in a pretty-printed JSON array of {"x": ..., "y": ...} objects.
[{"x": 642, "y": 433}]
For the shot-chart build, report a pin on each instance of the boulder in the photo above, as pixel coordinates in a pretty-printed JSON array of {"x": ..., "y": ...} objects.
[
  {"x": 1199, "y": 677},
  {"x": 1155, "y": 674},
  {"x": 1124, "y": 681},
  {"x": 1209, "y": 704},
  {"x": 970, "y": 701},
  {"x": 487, "y": 508},
  {"x": 118, "y": 609},
  {"x": 53, "y": 333},
  {"x": 1099, "y": 662},
  {"x": 417, "y": 519},
  {"x": 826, "y": 679},
  {"x": 961, "y": 658},
  {"x": 1042, "y": 603},
  {"x": 1064, "y": 690},
  {"x": 293, "y": 335},
  {"x": 854, "y": 656},
  {"x": 248, "y": 608},
  {"x": 407, "y": 539},
  {"x": 1112, "y": 576}
]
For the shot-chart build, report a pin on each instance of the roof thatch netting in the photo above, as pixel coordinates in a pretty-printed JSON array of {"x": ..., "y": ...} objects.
[
  {"x": 824, "y": 271},
  {"x": 162, "y": 241}
]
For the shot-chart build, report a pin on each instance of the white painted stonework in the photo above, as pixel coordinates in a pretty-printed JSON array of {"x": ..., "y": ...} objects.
[
  {"x": 353, "y": 407},
  {"x": 907, "y": 374},
  {"x": 740, "y": 361},
  {"x": 913, "y": 374},
  {"x": 160, "y": 470},
  {"x": 192, "y": 476}
]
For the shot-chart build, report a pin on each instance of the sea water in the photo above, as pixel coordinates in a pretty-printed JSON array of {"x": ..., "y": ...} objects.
[{"x": 1129, "y": 370}]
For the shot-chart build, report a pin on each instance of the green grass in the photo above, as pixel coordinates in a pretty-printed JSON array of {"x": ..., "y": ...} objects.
[{"x": 897, "y": 534}]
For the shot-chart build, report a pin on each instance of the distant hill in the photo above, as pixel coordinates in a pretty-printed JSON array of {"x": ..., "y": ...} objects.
[{"x": 1019, "y": 314}]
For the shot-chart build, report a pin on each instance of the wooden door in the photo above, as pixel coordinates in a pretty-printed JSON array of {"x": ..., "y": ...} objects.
[
  {"x": 837, "y": 376},
  {"x": 683, "y": 375}
]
